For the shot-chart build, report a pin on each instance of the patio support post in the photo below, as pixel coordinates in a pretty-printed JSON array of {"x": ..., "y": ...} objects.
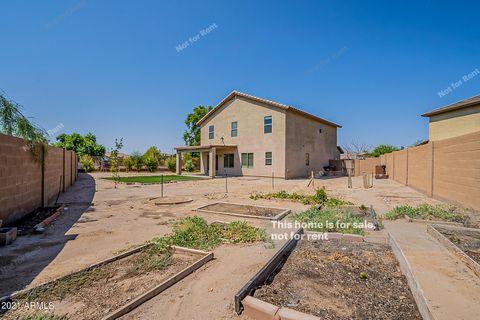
[
  {"x": 212, "y": 170},
  {"x": 179, "y": 163}
]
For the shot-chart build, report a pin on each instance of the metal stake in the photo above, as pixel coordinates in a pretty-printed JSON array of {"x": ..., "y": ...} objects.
[
  {"x": 162, "y": 185},
  {"x": 226, "y": 182}
]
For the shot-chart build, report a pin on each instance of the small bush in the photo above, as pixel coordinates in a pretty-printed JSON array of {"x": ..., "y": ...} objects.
[
  {"x": 320, "y": 197},
  {"x": 137, "y": 160},
  {"x": 151, "y": 164},
  {"x": 426, "y": 211},
  {"x": 328, "y": 220},
  {"x": 87, "y": 163},
  {"x": 171, "y": 164},
  {"x": 189, "y": 166},
  {"x": 194, "y": 232},
  {"x": 128, "y": 163}
]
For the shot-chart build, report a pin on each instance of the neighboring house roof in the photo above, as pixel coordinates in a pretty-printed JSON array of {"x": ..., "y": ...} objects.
[
  {"x": 454, "y": 106},
  {"x": 234, "y": 94}
]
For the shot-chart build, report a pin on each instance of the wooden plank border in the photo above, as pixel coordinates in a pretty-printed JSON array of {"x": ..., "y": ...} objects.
[
  {"x": 279, "y": 216},
  {"x": 453, "y": 248}
]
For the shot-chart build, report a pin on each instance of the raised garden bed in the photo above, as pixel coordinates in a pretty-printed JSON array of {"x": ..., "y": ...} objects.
[
  {"x": 246, "y": 211},
  {"x": 334, "y": 279},
  {"x": 461, "y": 241},
  {"x": 109, "y": 289}
]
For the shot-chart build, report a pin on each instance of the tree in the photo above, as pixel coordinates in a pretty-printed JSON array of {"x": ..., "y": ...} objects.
[
  {"x": 137, "y": 160},
  {"x": 191, "y": 136},
  {"x": 153, "y": 152},
  {"x": 382, "y": 149},
  {"x": 14, "y": 123},
  {"x": 115, "y": 162},
  {"x": 80, "y": 144}
]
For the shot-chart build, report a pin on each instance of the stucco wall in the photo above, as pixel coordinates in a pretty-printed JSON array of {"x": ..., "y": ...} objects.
[
  {"x": 304, "y": 136},
  {"x": 21, "y": 177},
  {"x": 454, "y": 123},
  {"x": 250, "y": 138}
]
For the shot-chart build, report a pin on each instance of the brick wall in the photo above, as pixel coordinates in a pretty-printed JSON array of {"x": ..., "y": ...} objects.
[
  {"x": 21, "y": 177},
  {"x": 446, "y": 169}
]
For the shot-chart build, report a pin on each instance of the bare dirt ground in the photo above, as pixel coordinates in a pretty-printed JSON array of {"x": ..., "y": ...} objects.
[
  {"x": 467, "y": 240},
  {"x": 342, "y": 280},
  {"x": 102, "y": 220}
]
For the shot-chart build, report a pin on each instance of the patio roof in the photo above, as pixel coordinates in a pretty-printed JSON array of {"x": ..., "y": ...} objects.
[{"x": 204, "y": 147}]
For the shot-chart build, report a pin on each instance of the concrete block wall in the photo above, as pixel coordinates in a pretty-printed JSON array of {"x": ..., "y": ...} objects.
[
  {"x": 366, "y": 166},
  {"x": 400, "y": 160},
  {"x": 448, "y": 169},
  {"x": 21, "y": 185},
  {"x": 456, "y": 170}
]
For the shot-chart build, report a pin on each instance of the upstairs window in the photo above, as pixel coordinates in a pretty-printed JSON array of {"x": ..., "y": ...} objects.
[
  {"x": 234, "y": 129},
  {"x": 268, "y": 158},
  {"x": 307, "y": 159},
  {"x": 211, "y": 132},
  {"x": 267, "y": 124},
  {"x": 228, "y": 161}
]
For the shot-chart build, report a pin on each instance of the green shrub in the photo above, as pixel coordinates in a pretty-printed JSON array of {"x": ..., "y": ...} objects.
[
  {"x": 128, "y": 163},
  {"x": 194, "y": 232},
  {"x": 87, "y": 163},
  {"x": 320, "y": 197},
  {"x": 137, "y": 159},
  {"x": 171, "y": 164},
  {"x": 189, "y": 166},
  {"x": 426, "y": 211},
  {"x": 151, "y": 164},
  {"x": 325, "y": 220}
]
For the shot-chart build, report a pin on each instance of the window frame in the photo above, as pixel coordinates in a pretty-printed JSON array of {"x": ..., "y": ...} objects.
[
  {"x": 267, "y": 124},
  {"x": 247, "y": 159},
  {"x": 268, "y": 158},
  {"x": 229, "y": 160},
  {"x": 211, "y": 132},
  {"x": 232, "y": 129}
]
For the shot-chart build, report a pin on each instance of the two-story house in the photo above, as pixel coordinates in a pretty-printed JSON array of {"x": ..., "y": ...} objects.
[{"x": 251, "y": 136}]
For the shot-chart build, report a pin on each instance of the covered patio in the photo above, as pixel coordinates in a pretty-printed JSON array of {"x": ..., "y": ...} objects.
[{"x": 209, "y": 158}]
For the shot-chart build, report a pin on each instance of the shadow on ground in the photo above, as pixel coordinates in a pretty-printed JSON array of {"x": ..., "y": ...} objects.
[{"x": 22, "y": 261}]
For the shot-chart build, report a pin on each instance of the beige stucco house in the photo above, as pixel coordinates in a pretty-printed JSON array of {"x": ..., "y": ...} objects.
[
  {"x": 457, "y": 119},
  {"x": 251, "y": 136}
]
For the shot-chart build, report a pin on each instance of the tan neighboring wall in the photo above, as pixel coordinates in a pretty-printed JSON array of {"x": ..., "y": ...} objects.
[
  {"x": 303, "y": 136},
  {"x": 454, "y": 123},
  {"x": 21, "y": 177},
  {"x": 448, "y": 170},
  {"x": 250, "y": 139},
  {"x": 366, "y": 166}
]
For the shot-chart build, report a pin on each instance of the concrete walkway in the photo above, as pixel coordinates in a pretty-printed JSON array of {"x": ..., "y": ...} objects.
[{"x": 451, "y": 289}]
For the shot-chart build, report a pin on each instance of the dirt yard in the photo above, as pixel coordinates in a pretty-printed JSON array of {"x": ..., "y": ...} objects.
[
  {"x": 467, "y": 240},
  {"x": 342, "y": 280},
  {"x": 101, "y": 221}
]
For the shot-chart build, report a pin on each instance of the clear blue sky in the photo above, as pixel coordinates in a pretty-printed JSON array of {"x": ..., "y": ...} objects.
[{"x": 112, "y": 67}]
